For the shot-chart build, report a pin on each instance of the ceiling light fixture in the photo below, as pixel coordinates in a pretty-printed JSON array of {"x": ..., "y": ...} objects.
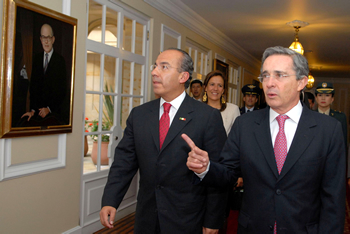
[
  {"x": 296, "y": 45},
  {"x": 310, "y": 81}
]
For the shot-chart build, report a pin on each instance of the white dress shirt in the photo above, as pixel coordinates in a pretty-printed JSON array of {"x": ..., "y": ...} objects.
[
  {"x": 48, "y": 58},
  {"x": 246, "y": 109},
  {"x": 290, "y": 125},
  {"x": 175, "y": 105}
]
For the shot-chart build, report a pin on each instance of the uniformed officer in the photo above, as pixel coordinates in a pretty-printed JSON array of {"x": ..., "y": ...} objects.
[
  {"x": 324, "y": 97},
  {"x": 250, "y": 98}
]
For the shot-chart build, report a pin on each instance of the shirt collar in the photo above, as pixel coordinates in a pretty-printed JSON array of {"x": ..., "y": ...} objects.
[
  {"x": 251, "y": 109},
  {"x": 326, "y": 112},
  {"x": 176, "y": 103},
  {"x": 294, "y": 113},
  {"x": 50, "y": 53}
]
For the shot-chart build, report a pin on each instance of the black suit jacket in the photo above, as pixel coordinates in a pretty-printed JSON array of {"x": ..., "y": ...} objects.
[
  {"x": 49, "y": 89},
  {"x": 309, "y": 194},
  {"x": 341, "y": 117},
  {"x": 166, "y": 191}
]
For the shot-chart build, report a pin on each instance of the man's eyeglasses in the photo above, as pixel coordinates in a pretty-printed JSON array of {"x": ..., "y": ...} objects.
[
  {"x": 278, "y": 76},
  {"x": 49, "y": 38},
  {"x": 161, "y": 67}
]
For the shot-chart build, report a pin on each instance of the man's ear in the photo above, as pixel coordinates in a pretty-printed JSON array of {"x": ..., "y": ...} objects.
[
  {"x": 302, "y": 83},
  {"x": 184, "y": 77}
]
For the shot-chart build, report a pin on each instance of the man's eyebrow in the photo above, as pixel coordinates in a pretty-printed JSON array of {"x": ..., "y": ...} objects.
[{"x": 274, "y": 71}]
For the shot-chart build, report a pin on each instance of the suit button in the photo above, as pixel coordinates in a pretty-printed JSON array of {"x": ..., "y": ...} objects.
[
  {"x": 278, "y": 192},
  {"x": 271, "y": 227}
]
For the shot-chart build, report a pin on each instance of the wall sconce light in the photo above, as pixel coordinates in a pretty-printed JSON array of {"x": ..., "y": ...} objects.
[{"x": 310, "y": 81}]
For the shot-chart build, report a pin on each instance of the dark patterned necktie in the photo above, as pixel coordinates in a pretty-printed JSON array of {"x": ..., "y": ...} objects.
[
  {"x": 164, "y": 123},
  {"x": 280, "y": 148},
  {"x": 46, "y": 61}
]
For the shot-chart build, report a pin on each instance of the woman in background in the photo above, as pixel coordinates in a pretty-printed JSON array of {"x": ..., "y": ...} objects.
[{"x": 214, "y": 89}]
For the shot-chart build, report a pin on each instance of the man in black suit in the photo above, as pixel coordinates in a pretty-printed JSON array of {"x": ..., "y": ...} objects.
[
  {"x": 294, "y": 175},
  {"x": 250, "y": 98},
  {"x": 168, "y": 201},
  {"x": 48, "y": 84}
]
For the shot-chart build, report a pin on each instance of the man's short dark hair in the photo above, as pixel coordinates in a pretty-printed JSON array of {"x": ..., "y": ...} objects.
[
  {"x": 186, "y": 65},
  {"x": 196, "y": 82}
]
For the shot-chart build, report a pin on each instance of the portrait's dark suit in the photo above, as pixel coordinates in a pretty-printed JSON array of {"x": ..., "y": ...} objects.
[
  {"x": 48, "y": 89},
  {"x": 309, "y": 194},
  {"x": 166, "y": 191}
]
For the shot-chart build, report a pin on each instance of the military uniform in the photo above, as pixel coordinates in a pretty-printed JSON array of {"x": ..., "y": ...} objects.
[
  {"x": 326, "y": 87},
  {"x": 250, "y": 89}
]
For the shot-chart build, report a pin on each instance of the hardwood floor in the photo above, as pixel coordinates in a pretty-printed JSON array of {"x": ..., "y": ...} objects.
[
  {"x": 126, "y": 224},
  {"x": 122, "y": 226}
]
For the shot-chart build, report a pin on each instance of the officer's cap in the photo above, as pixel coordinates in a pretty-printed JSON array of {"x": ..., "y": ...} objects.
[
  {"x": 324, "y": 87},
  {"x": 251, "y": 89}
]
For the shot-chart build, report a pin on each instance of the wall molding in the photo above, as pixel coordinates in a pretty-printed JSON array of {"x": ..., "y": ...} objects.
[
  {"x": 169, "y": 31},
  {"x": 66, "y": 7},
  {"x": 186, "y": 16},
  {"x": 10, "y": 171}
]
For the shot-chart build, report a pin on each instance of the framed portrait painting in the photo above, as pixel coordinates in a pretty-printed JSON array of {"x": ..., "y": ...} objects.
[{"x": 37, "y": 70}]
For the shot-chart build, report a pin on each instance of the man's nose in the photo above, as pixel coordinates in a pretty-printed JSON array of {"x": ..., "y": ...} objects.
[{"x": 155, "y": 72}]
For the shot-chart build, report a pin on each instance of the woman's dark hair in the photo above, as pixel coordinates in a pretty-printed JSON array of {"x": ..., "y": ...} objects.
[{"x": 206, "y": 81}]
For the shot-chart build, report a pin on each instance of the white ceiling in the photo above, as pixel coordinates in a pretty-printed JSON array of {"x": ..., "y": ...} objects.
[{"x": 257, "y": 24}]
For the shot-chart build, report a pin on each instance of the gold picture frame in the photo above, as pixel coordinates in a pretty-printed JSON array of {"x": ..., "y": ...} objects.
[{"x": 28, "y": 83}]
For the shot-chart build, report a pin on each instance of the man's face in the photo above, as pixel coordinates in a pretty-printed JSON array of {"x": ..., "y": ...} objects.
[
  {"x": 281, "y": 94},
  {"x": 46, "y": 38},
  {"x": 324, "y": 100},
  {"x": 196, "y": 90},
  {"x": 250, "y": 100},
  {"x": 168, "y": 82}
]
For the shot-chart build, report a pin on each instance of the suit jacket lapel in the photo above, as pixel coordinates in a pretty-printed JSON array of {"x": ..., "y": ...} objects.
[
  {"x": 263, "y": 137},
  {"x": 181, "y": 119},
  {"x": 153, "y": 122},
  {"x": 304, "y": 134}
]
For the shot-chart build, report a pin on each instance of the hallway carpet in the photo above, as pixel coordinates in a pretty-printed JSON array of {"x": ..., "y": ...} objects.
[{"x": 126, "y": 224}]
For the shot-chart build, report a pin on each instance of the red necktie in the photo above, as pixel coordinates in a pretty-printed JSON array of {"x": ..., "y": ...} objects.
[
  {"x": 164, "y": 123},
  {"x": 280, "y": 148}
]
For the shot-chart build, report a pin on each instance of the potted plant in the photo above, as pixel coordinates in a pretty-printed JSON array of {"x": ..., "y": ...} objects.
[{"x": 107, "y": 122}]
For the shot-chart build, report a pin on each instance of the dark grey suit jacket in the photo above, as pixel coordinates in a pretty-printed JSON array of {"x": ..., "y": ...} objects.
[
  {"x": 309, "y": 194},
  {"x": 166, "y": 191}
]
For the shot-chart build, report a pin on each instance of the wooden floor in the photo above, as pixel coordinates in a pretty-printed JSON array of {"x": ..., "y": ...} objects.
[
  {"x": 126, "y": 224},
  {"x": 122, "y": 226}
]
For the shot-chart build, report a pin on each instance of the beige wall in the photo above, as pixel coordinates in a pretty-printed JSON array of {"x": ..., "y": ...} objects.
[{"x": 48, "y": 202}]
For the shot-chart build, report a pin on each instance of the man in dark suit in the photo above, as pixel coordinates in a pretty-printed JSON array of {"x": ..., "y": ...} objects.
[
  {"x": 250, "y": 98},
  {"x": 168, "y": 201},
  {"x": 48, "y": 84},
  {"x": 294, "y": 173}
]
